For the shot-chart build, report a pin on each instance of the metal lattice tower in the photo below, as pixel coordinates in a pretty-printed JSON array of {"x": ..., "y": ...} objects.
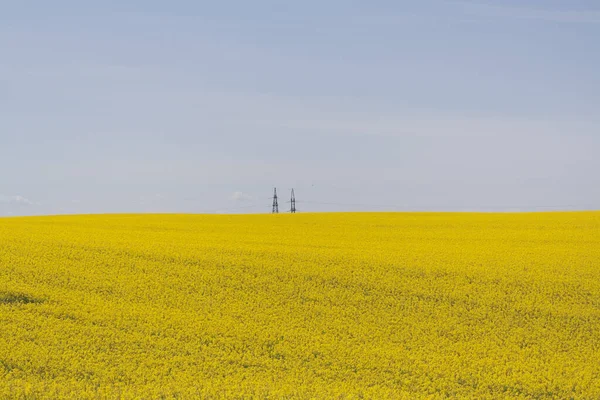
[
  {"x": 275, "y": 203},
  {"x": 293, "y": 203}
]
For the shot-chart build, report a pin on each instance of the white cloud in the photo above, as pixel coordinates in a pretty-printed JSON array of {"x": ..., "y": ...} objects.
[
  {"x": 15, "y": 200},
  {"x": 241, "y": 196}
]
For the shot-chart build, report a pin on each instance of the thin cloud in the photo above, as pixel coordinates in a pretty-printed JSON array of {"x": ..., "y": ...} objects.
[
  {"x": 528, "y": 13},
  {"x": 241, "y": 196},
  {"x": 15, "y": 200}
]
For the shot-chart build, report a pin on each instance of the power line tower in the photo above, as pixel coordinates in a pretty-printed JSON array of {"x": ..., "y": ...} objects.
[
  {"x": 293, "y": 203},
  {"x": 275, "y": 203}
]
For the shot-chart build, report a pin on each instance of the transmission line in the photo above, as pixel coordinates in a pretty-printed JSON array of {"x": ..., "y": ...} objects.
[
  {"x": 293, "y": 203},
  {"x": 275, "y": 203}
]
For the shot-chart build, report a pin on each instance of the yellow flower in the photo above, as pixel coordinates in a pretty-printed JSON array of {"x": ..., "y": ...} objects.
[{"x": 355, "y": 305}]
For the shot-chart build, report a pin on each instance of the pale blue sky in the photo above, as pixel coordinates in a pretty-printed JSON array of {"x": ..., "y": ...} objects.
[{"x": 194, "y": 106}]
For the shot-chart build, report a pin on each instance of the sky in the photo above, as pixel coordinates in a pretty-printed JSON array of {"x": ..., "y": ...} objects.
[{"x": 204, "y": 106}]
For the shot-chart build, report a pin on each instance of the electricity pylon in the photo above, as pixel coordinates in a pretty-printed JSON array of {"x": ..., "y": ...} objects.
[
  {"x": 275, "y": 203},
  {"x": 293, "y": 203}
]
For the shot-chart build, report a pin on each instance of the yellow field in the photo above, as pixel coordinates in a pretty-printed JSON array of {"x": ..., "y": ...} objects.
[{"x": 372, "y": 305}]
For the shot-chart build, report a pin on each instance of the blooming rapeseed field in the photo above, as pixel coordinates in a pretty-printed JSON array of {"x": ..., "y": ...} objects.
[{"x": 364, "y": 305}]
